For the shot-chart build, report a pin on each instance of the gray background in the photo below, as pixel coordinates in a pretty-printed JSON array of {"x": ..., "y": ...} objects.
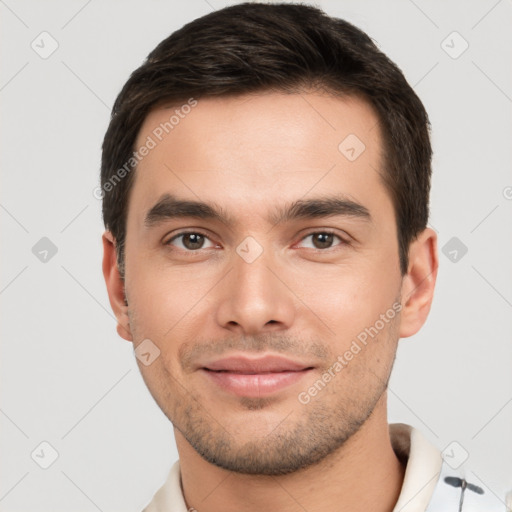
[{"x": 67, "y": 379}]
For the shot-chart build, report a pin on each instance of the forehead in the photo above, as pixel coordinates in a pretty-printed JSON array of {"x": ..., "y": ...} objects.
[{"x": 265, "y": 147}]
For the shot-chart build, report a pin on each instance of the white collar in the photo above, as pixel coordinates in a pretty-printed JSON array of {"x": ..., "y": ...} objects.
[
  {"x": 422, "y": 472},
  {"x": 423, "y": 468}
]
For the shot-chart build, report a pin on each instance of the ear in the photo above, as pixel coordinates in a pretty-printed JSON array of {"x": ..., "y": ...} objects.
[
  {"x": 115, "y": 286},
  {"x": 419, "y": 282}
]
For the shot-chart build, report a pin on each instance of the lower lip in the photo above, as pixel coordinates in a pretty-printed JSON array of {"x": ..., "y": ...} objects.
[{"x": 255, "y": 385}]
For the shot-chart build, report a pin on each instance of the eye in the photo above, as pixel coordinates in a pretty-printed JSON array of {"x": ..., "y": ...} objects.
[
  {"x": 190, "y": 241},
  {"x": 323, "y": 240}
]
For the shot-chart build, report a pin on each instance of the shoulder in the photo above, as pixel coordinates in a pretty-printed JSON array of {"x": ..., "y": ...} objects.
[
  {"x": 439, "y": 482},
  {"x": 461, "y": 490}
]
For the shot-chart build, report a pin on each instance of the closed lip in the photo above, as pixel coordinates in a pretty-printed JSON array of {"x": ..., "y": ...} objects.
[{"x": 255, "y": 365}]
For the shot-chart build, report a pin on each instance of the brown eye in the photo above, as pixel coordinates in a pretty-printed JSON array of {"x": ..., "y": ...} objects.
[
  {"x": 322, "y": 240},
  {"x": 193, "y": 241},
  {"x": 190, "y": 241}
]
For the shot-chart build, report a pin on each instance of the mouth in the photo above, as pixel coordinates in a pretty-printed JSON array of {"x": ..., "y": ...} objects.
[{"x": 259, "y": 377}]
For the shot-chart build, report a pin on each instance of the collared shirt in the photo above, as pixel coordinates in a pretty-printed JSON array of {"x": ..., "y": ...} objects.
[{"x": 430, "y": 483}]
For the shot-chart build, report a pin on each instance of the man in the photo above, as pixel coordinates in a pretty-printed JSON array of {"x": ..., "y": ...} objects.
[{"x": 266, "y": 178}]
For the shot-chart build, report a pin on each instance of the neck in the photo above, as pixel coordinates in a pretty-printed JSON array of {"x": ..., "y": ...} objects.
[{"x": 364, "y": 474}]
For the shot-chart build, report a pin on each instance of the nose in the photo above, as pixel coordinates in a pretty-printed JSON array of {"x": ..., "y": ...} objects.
[{"x": 255, "y": 298}]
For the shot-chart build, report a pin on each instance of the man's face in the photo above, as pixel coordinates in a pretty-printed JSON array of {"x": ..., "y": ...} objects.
[{"x": 265, "y": 276}]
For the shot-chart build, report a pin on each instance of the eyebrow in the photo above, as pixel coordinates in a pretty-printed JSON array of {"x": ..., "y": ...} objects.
[{"x": 170, "y": 207}]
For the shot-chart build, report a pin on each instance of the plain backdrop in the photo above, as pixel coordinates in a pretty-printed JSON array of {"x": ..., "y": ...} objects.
[{"x": 66, "y": 377}]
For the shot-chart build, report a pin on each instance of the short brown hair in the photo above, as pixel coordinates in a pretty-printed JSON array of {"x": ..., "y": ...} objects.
[{"x": 253, "y": 47}]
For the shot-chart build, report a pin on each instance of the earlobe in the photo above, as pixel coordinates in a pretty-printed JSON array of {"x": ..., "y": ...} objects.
[
  {"x": 419, "y": 282},
  {"x": 115, "y": 286}
]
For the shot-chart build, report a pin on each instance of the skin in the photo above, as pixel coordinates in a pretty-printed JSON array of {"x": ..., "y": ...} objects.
[{"x": 249, "y": 155}]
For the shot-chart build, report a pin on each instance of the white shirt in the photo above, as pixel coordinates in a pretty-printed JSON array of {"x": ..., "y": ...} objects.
[{"x": 423, "y": 490}]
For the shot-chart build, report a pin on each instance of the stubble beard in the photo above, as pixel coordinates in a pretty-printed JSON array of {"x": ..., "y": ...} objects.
[{"x": 306, "y": 435}]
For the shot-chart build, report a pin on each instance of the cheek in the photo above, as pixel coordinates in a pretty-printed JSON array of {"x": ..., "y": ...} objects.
[
  {"x": 348, "y": 299},
  {"x": 164, "y": 298}
]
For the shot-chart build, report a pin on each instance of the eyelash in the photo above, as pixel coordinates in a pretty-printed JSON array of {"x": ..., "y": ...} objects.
[
  {"x": 323, "y": 231},
  {"x": 342, "y": 240},
  {"x": 183, "y": 233}
]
